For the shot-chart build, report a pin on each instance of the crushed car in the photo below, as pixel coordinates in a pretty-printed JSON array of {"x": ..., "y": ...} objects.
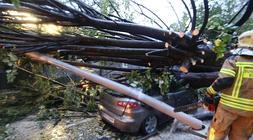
[{"x": 132, "y": 116}]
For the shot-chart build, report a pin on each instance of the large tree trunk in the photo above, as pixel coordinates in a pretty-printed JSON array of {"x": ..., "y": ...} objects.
[
  {"x": 161, "y": 106},
  {"x": 198, "y": 80}
]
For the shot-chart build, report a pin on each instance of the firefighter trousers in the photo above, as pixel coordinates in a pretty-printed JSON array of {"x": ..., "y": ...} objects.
[{"x": 226, "y": 123}]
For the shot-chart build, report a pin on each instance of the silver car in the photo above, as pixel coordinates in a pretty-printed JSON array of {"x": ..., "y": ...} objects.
[{"x": 129, "y": 115}]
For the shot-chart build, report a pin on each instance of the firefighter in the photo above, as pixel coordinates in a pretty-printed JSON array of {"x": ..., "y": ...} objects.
[{"x": 234, "y": 114}]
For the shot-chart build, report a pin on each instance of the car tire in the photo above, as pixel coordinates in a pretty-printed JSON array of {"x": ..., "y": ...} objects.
[{"x": 149, "y": 125}]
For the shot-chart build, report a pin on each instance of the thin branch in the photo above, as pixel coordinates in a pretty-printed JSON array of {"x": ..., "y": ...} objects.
[
  {"x": 114, "y": 8},
  {"x": 238, "y": 12},
  {"x": 178, "y": 20},
  {"x": 140, "y": 5},
  {"x": 41, "y": 76}
]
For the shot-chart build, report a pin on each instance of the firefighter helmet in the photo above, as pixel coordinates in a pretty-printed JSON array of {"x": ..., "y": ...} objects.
[{"x": 245, "y": 40}]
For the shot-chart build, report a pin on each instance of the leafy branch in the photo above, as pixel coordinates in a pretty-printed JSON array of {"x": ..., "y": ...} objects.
[
  {"x": 148, "y": 79},
  {"x": 8, "y": 60}
]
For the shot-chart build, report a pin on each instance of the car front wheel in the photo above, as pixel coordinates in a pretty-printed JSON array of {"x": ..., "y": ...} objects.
[{"x": 149, "y": 125}]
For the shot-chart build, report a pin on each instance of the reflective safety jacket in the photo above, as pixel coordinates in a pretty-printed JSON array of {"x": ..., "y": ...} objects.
[{"x": 235, "y": 82}]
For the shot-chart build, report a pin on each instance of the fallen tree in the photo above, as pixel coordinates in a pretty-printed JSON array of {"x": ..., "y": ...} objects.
[
  {"x": 161, "y": 106},
  {"x": 159, "y": 47},
  {"x": 118, "y": 39},
  {"x": 98, "y": 37}
]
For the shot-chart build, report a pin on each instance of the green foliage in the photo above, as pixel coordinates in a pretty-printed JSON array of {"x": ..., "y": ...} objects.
[
  {"x": 50, "y": 92},
  {"x": 13, "y": 113},
  {"x": 83, "y": 31},
  {"x": 92, "y": 92},
  {"x": 11, "y": 75},
  {"x": 164, "y": 82},
  {"x": 46, "y": 89},
  {"x": 105, "y": 7},
  {"x": 224, "y": 39},
  {"x": 117, "y": 8},
  {"x": 16, "y": 2},
  {"x": 217, "y": 29},
  {"x": 3, "y": 132},
  {"x": 45, "y": 114},
  {"x": 71, "y": 97},
  {"x": 52, "y": 95},
  {"x": 183, "y": 23},
  {"x": 140, "y": 80},
  {"x": 148, "y": 79},
  {"x": 220, "y": 12},
  {"x": 8, "y": 60},
  {"x": 43, "y": 86},
  {"x": 91, "y": 105}
]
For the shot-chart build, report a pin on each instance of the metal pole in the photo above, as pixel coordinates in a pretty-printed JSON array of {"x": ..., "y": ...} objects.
[{"x": 161, "y": 106}]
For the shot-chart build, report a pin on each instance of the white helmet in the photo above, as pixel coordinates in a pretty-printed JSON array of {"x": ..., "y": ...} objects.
[{"x": 245, "y": 40}]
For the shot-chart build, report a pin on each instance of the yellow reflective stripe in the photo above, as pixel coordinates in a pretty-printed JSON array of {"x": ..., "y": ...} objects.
[
  {"x": 211, "y": 135},
  {"x": 236, "y": 82},
  {"x": 228, "y": 71},
  {"x": 211, "y": 90},
  {"x": 246, "y": 64},
  {"x": 251, "y": 66},
  {"x": 239, "y": 99},
  {"x": 240, "y": 83},
  {"x": 237, "y": 106},
  {"x": 248, "y": 73}
]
